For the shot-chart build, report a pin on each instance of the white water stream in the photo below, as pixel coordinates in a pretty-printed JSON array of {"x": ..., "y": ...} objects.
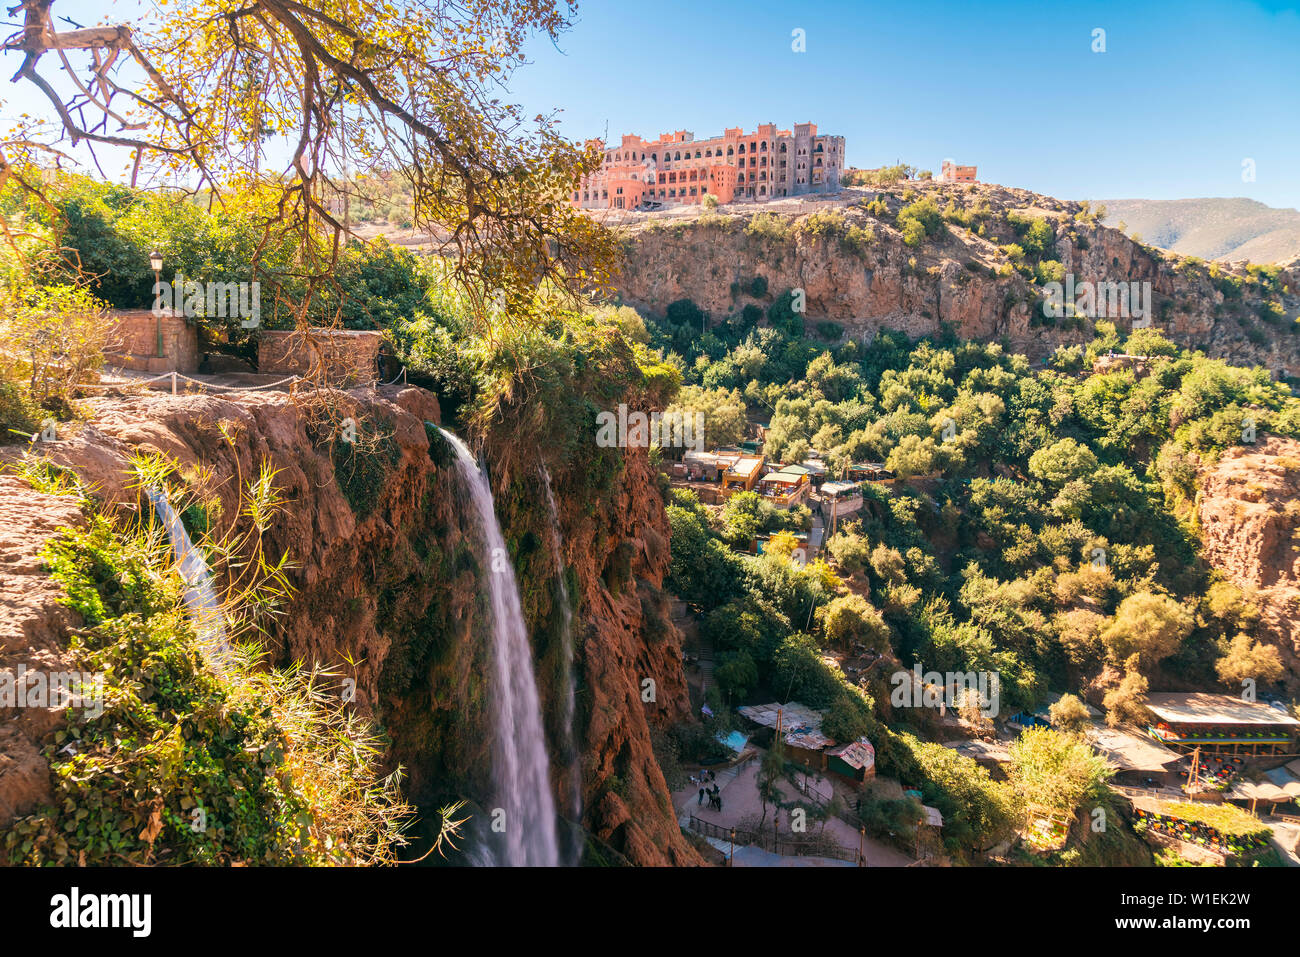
[{"x": 524, "y": 811}]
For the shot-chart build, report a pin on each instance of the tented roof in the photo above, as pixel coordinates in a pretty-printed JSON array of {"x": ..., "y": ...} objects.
[{"x": 1267, "y": 791}]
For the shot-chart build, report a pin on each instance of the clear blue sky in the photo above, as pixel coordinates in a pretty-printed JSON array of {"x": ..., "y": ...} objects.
[{"x": 1183, "y": 94}]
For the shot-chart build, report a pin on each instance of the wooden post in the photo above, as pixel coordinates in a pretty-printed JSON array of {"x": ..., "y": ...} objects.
[
  {"x": 731, "y": 859},
  {"x": 173, "y": 382},
  {"x": 862, "y": 833}
]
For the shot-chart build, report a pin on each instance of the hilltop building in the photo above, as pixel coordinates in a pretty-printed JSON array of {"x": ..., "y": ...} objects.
[
  {"x": 950, "y": 172},
  {"x": 677, "y": 168}
]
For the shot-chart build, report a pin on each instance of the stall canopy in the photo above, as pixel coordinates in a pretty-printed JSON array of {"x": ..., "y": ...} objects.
[
  {"x": 1128, "y": 751},
  {"x": 1265, "y": 791},
  {"x": 1214, "y": 709}
]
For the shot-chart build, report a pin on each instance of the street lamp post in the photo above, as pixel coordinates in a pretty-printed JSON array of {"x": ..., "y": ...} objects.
[{"x": 155, "y": 260}]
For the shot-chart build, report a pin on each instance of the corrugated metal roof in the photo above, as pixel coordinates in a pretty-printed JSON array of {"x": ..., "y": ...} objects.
[
  {"x": 857, "y": 754},
  {"x": 800, "y": 725}
]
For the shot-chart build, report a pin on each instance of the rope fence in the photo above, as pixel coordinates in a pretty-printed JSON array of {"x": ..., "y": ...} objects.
[{"x": 176, "y": 378}]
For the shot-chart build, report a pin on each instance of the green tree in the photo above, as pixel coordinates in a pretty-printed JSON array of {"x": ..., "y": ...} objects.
[
  {"x": 1055, "y": 770},
  {"x": 1147, "y": 625},
  {"x": 1247, "y": 659},
  {"x": 851, "y": 618},
  {"x": 1068, "y": 713},
  {"x": 723, "y": 412},
  {"x": 1063, "y": 462}
]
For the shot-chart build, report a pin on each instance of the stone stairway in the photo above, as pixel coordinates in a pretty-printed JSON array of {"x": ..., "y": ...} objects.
[{"x": 706, "y": 665}]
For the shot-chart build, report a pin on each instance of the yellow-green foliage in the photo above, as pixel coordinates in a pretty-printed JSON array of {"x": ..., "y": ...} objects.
[
  {"x": 1228, "y": 819},
  {"x": 187, "y": 763}
]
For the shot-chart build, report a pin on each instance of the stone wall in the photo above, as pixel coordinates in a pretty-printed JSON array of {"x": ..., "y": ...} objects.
[
  {"x": 340, "y": 355},
  {"x": 133, "y": 342}
]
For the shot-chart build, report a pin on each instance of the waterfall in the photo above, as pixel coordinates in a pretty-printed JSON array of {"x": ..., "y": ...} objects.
[
  {"x": 571, "y": 754},
  {"x": 200, "y": 597},
  {"x": 521, "y": 770}
]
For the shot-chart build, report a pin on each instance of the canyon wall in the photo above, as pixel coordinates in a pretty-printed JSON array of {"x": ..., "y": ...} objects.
[{"x": 960, "y": 277}]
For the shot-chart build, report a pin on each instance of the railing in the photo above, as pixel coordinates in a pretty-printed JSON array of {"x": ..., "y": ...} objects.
[
  {"x": 175, "y": 378},
  {"x": 827, "y": 848},
  {"x": 806, "y": 789},
  {"x": 1163, "y": 793},
  {"x": 786, "y": 848},
  {"x": 744, "y": 762},
  {"x": 709, "y": 829}
]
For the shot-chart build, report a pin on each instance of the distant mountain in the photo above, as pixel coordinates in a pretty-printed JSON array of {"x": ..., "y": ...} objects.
[{"x": 1223, "y": 229}]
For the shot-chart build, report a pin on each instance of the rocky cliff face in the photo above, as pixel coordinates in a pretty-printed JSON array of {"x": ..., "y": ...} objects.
[
  {"x": 961, "y": 277},
  {"x": 1250, "y": 524},
  {"x": 388, "y": 591},
  {"x": 32, "y": 627}
]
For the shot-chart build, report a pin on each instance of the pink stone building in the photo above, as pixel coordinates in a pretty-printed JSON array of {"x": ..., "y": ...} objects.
[{"x": 737, "y": 166}]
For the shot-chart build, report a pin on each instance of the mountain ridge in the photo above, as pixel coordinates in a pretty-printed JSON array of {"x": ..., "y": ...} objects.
[{"x": 1225, "y": 229}]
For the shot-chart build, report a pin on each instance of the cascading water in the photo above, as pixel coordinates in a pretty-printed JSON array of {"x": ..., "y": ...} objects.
[
  {"x": 566, "y": 639},
  {"x": 521, "y": 770},
  {"x": 200, "y": 597}
]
